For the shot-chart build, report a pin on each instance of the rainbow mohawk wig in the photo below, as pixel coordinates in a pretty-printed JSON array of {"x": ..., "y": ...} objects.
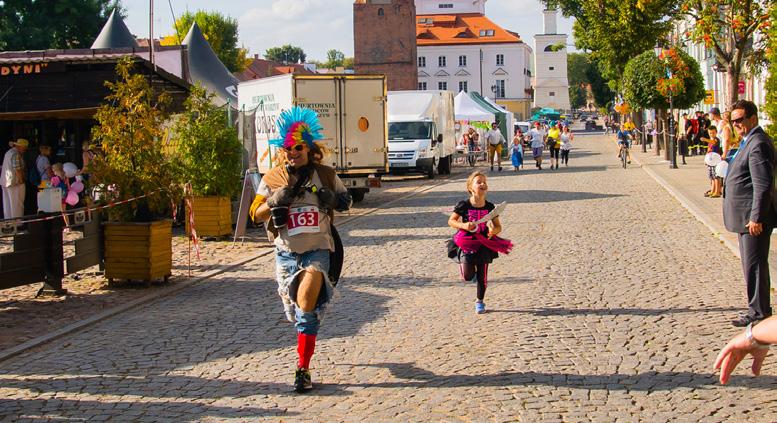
[{"x": 296, "y": 126}]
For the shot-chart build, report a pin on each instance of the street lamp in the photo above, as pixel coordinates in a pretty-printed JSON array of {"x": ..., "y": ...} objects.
[{"x": 672, "y": 149}]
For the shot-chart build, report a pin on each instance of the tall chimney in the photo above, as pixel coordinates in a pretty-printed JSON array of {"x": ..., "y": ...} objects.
[{"x": 550, "y": 21}]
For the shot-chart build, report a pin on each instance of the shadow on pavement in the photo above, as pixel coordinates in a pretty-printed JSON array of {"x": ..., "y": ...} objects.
[
  {"x": 61, "y": 409},
  {"x": 650, "y": 381},
  {"x": 616, "y": 311}
]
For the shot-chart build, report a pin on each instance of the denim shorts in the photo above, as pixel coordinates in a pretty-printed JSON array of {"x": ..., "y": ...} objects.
[{"x": 288, "y": 266}]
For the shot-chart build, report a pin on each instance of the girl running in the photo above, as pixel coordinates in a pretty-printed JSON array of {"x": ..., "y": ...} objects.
[
  {"x": 476, "y": 244},
  {"x": 566, "y": 145}
]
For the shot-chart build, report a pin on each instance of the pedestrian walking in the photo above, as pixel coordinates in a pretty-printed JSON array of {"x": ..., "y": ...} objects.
[
  {"x": 495, "y": 141},
  {"x": 476, "y": 244},
  {"x": 516, "y": 150},
  {"x": 748, "y": 207},
  {"x": 566, "y": 145},
  {"x": 12, "y": 179},
  {"x": 537, "y": 144},
  {"x": 713, "y": 147},
  {"x": 296, "y": 200},
  {"x": 732, "y": 142},
  {"x": 554, "y": 144}
]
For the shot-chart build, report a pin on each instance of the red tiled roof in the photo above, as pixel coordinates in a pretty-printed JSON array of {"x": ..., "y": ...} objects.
[
  {"x": 460, "y": 29},
  {"x": 262, "y": 68}
]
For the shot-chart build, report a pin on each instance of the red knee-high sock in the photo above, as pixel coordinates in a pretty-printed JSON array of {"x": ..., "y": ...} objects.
[{"x": 306, "y": 345}]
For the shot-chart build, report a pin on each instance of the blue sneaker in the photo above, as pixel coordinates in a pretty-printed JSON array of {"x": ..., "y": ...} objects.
[{"x": 480, "y": 307}]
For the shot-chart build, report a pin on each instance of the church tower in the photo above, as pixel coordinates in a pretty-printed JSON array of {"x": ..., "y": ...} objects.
[
  {"x": 551, "y": 85},
  {"x": 384, "y": 36}
]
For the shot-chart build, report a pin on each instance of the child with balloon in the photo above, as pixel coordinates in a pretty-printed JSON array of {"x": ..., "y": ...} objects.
[
  {"x": 66, "y": 180},
  {"x": 712, "y": 159}
]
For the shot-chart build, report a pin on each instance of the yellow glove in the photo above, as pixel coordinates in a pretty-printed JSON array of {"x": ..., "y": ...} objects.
[{"x": 258, "y": 201}]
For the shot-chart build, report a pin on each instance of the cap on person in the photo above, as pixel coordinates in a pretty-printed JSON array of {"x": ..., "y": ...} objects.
[
  {"x": 715, "y": 111},
  {"x": 21, "y": 142}
]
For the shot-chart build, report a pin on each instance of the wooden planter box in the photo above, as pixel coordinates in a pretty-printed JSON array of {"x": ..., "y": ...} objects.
[
  {"x": 212, "y": 216},
  {"x": 139, "y": 251}
]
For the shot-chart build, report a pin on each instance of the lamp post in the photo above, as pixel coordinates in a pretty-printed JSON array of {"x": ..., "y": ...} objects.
[{"x": 672, "y": 149}]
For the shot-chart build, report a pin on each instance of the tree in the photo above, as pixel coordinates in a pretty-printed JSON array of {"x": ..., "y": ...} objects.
[
  {"x": 133, "y": 164},
  {"x": 208, "y": 153},
  {"x": 727, "y": 28},
  {"x": 334, "y": 58},
  {"x": 646, "y": 83},
  {"x": 771, "y": 83},
  {"x": 61, "y": 24},
  {"x": 286, "y": 54},
  {"x": 581, "y": 71},
  {"x": 220, "y": 31},
  {"x": 615, "y": 31}
]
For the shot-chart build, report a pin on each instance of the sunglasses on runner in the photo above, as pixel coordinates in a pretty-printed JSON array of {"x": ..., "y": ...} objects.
[{"x": 298, "y": 147}]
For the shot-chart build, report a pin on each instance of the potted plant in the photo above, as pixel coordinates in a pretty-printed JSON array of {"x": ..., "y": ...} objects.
[
  {"x": 135, "y": 176},
  {"x": 208, "y": 157}
]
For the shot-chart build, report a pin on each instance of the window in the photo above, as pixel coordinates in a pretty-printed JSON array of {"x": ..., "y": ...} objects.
[
  {"x": 442, "y": 86},
  {"x": 421, "y": 61},
  {"x": 500, "y": 59},
  {"x": 552, "y": 94},
  {"x": 463, "y": 86},
  {"x": 486, "y": 33},
  {"x": 380, "y": 12},
  {"x": 422, "y": 86},
  {"x": 441, "y": 61},
  {"x": 500, "y": 88},
  {"x": 462, "y": 61},
  {"x": 445, "y": 6},
  {"x": 551, "y": 68}
]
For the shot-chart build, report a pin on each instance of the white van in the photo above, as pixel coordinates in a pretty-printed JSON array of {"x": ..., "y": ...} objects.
[{"x": 421, "y": 133}]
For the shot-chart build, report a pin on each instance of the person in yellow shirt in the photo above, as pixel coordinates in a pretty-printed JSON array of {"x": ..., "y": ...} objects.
[
  {"x": 554, "y": 143},
  {"x": 629, "y": 125}
]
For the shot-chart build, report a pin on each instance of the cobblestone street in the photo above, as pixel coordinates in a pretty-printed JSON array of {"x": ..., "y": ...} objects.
[{"x": 612, "y": 307}]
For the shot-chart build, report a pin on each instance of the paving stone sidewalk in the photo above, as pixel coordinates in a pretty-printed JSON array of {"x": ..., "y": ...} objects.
[{"x": 604, "y": 312}]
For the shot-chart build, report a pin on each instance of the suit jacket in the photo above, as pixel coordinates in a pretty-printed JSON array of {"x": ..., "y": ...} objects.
[{"x": 749, "y": 184}]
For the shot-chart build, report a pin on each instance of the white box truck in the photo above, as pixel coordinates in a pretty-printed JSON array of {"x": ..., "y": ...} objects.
[
  {"x": 421, "y": 132},
  {"x": 352, "y": 112}
]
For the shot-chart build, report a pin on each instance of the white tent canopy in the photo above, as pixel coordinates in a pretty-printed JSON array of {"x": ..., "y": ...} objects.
[
  {"x": 467, "y": 109},
  {"x": 509, "y": 114}
]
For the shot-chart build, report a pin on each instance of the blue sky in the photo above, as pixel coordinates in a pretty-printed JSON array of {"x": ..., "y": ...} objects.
[{"x": 314, "y": 25}]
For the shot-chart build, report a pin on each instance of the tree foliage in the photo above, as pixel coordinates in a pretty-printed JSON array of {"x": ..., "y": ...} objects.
[
  {"x": 334, "y": 58},
  {"x": 61, "y": 24},
  {"x": 208, "y": 152},
  {"x": 770, "y": 108},
  {"x": 130, "y": 130},
  {"x": 646, "y": 84},
  {"x": 615, "y": 31},
  {"x": 221, "y": 32},
  {"x": 727, "y": 28},
  {"x": 581, "y": 71},
  {"x": 286, "y": 54}
]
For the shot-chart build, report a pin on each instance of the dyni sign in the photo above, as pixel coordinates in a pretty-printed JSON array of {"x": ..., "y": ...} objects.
[{"x": 27, "y": 69}]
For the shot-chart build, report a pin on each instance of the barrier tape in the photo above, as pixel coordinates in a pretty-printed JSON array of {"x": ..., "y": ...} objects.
[{"x": 190, "y": 211}]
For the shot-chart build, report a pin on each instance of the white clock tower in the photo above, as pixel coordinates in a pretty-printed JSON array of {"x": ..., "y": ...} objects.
[{"x": 551, "y": 86}]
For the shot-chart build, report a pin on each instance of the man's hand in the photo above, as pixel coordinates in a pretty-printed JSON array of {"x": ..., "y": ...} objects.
[
  {"x": 754, "y": 228},
  {"x": 734, "y": 352}
]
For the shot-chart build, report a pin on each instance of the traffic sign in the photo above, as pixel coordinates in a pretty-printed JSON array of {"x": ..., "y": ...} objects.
[
  {"x": 741, "y": 87},
  {"x": 709, "y": 97}
]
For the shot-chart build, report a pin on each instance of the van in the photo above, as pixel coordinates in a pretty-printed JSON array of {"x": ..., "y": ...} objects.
[{"x": 421, "y": 133}]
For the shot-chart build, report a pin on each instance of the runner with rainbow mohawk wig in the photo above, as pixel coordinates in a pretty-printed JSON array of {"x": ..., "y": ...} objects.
[{"x": 296, "y": 201}]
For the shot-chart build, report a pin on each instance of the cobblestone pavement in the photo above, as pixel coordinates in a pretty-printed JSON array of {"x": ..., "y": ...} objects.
[{"x": 611, "y": 308}]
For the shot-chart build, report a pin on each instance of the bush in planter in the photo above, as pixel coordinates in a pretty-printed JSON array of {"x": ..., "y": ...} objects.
[
  {"x": 130, "y": 130},
  {"x": 132, "y": 164},
  {"x": 209, "y": 157}
]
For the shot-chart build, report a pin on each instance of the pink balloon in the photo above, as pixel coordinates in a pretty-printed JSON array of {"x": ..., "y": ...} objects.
[
  {"x": 77, "y": 186},
  {"x": 72, "y": 198},
  {"x": 55, "y": 180}
]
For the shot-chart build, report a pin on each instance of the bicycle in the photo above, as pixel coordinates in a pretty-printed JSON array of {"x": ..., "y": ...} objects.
[{"x": 624, "y": 155}]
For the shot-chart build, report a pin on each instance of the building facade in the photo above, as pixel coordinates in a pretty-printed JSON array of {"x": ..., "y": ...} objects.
[
  {"x": 460, "y": 49},
  {"x": 551, "y": 84},
  {"x": 384, "y": 41}
]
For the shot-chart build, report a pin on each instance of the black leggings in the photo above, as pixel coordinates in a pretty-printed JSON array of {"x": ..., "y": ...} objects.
[
  {"x": 470, "y": 270},
  {"x": 554, "y": 152},
  {"x": 565, "y": 156}
]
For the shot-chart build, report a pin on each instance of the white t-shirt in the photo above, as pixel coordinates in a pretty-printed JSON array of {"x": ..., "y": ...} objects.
[
  {"x": 536, "y": 138},
  {"x": 566, "y": 141},
  {"x": 494, "y": 136}
]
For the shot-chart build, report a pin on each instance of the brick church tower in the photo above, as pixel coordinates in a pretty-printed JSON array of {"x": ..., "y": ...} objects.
[{"x": 384, "y": 34}]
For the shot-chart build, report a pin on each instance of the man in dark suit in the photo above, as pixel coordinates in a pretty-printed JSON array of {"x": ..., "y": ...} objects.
[{"x": 748, "y": 208}]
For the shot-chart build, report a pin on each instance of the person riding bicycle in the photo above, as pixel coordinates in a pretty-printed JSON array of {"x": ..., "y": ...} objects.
[{"x": 624, "y": 142}]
